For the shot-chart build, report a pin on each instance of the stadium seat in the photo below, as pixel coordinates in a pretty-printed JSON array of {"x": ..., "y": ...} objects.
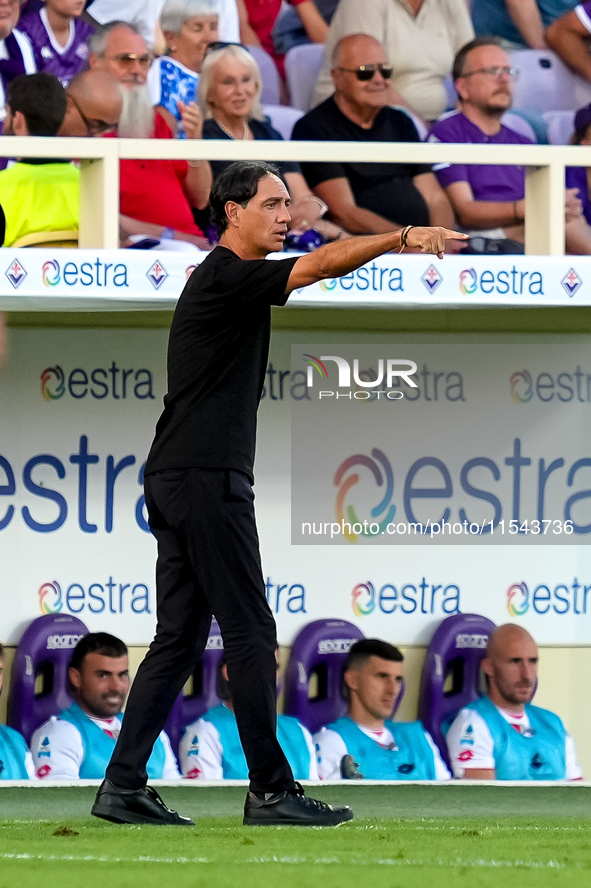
[
  {"x": 283, "y": 118},
  {"x": 451, "y": 672},
  {"x": 302, "y": 67},
  {"x": 519, "y": 125},
  {"x": 316, "y": 661},
  {"x": 47, "y": 239},
  {"x": 203, "y": 695},
  {"x": 269, "y": 75},
  {"x": 39, "y": 674},
  {"x": 546, "y": 84},
  {"x": 560, "y": 125}
]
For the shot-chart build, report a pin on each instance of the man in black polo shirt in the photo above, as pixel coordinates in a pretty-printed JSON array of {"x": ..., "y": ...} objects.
[
  {"x": 369, "y": 198},
  {"x": 198, "y": 487}
]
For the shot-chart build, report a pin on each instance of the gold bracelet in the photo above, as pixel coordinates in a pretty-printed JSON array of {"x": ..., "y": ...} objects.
[{"x": 404, "y": 237}]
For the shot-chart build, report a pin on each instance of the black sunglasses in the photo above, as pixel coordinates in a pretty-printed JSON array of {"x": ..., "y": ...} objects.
[
  {"x": 222, "y": 44},
  {"x": 366, "y": 72}
]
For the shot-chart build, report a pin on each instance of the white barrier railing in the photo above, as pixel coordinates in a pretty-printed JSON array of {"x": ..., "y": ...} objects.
[{"x": 99, "y": 191}]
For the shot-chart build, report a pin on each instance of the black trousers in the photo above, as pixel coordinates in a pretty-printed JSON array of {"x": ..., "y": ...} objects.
[{"x": 208, "y": 563}]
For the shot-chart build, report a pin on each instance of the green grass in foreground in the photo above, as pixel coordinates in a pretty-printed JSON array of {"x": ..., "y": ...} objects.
[{"x": 402, "y": 836}]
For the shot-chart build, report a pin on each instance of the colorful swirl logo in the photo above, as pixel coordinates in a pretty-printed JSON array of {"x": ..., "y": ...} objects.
[
  {"x": 363, "y": 599},
  {"x": 382, "y": 473},
  {"x": 521, "y": 387},
  {"x": 317, "y": 364},
  {"x": 468, "y": 281},
  {"x": 518, "y": 599},
  {"x": 51, "y": 273},
  {"x": 328, "y": 284},
  {"x": 52, "y": 383},
  {"x": 50, "y": 598}
]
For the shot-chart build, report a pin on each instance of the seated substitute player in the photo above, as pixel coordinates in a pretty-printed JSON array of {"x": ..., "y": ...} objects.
[
  {"x": 502, "y": 736},
  {"x": 80, "y": 741},
  {"x": 211, "y": 748},
  {"x": 16, "y": 762},
  {"x": 366, "y": 742}
]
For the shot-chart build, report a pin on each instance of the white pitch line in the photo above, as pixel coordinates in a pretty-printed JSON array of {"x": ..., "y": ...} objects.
[{"x": 458, "y": 861}]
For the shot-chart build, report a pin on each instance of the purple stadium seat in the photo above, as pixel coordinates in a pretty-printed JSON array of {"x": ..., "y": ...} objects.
[
  {"x": 451, "y": 672},
  {"x": 39, "y": 674},
  {"x": 318, "y": 654},
  {"x": 189, "y": 707}
]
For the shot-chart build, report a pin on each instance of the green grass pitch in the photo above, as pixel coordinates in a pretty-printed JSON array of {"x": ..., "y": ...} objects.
[{"x": 402, "y": 837}]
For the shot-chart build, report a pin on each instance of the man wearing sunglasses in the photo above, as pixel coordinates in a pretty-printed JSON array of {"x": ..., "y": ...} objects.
[
  {"x": 369, "y": 198},
  {"x": 489, "y": 200}
]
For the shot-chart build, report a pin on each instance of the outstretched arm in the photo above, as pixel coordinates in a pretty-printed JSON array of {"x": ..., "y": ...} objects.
[
  {"x": 568, "y": 37},
  {"x": 340, "y": 258}
]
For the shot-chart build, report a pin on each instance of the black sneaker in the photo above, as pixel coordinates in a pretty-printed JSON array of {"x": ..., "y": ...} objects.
[
  {"x": 292, "y": 808},
  {"x": 135, "y": 806}
]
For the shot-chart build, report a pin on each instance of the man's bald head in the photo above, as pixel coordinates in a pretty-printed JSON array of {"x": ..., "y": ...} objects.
[
  {"x": 94, "y": 104},
  {"x": 511, "y": 666},
  {"x": 352, "y": 46},
  {"x": 508, "y": 637}
]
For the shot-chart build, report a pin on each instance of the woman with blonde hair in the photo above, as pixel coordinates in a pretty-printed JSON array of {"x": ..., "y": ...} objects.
[{"x": 230, "y": 89}]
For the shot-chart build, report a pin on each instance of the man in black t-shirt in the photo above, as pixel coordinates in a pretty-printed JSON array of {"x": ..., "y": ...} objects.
[
  {"x": 198, "y": 489},
  {"x": 369, "y": 198}
]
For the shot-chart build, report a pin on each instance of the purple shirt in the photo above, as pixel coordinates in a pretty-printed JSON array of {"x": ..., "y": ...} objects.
[
  {"x": 61, "y": 61},
  {"x": 576, "y": 177},
  {"x": 488, "y": 182},
  {"x": 583, "y": 12}
]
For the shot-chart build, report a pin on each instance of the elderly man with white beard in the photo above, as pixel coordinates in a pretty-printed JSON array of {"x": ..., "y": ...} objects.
[{"x": 157, "y": 197}]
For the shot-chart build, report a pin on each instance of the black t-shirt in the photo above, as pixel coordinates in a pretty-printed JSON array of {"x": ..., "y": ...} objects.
[
  {"x": 261, "y": 129},
  {"x": 384, "y": 188},
  {"x": 217, "y": 359}
]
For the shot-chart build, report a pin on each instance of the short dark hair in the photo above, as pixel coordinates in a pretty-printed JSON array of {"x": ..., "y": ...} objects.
[
  {"x": 239, "y": 182},
  {"x": 362, "y": 650},
  {"x": 97, "y": 643},
  {"x": 462, "y": 54},
  {"x": 41, "y": 99}
]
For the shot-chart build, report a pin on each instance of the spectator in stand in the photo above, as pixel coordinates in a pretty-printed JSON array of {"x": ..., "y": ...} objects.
[
  {"x": 16, "y": 52},
  {"x": 157, "y": 196},
  {"x": 489, "y": 200},
  {"x": 519, "y": 23},
  {"x": 259, "y": 17},
  {"x": 144, "y": 14},
  {"x": 211, "y": 750},
  {"x": 94, "y": 105},
  {"x": 305, "y": 23},
  {"x": 189, "y": 26},
  {"x": 366, "y": 742},
  {"x": 229, "y": 96},
  {"x": 420, "y": 37},
  {"x": 59, "y": 38},
  {"x": 37, "y": 194},
  {"x": 16, "y": 762},
  {"x": 79, "y": 742},
  {"x": 501, "y": 736},
  {"x": 578, "y": 177},
  {"x": 570, "y": 38},
  {"x": 369, "y": 198}
]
